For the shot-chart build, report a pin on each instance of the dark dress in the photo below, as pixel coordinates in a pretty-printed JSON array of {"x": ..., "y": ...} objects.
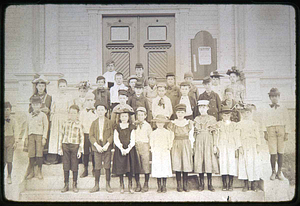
[{"x": 130, "y": 162}]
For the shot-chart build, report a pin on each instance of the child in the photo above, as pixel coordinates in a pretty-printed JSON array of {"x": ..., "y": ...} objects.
[
  {"x": 151, "y": 90},
  {"x": 139, "y": 71},
  {"x": 232, "y": 104},
  {"x": 215, "y": 85},
  {"x": 276, "y": 127},
  {"x": 189, "y": 77},
  {"x": 142, "y": 133},
  {"x": 182, "y": 161},
  {"x": 204, "y": 159},
  {"x": 250, "y": 140},
  {"x": 101, "y": 138},
  {"x": 188, "y": 100},
  {"x": 123, "y": 97},
  {"x": 83, "y": 88},
  {"x": 109, "y": 75},
  {"x": 173, "y": 92},
  {"x": 235, "y": 77},
  {"x": 87, "y": 116},
  {"x": 161, "y": 104},
  {"x": 161, "y": 141},
  {"x": 36, "y": 136},
  {"x": 125, "y": 160},
  {"x": 214, "y": 99},
  {"x": 11, "y": 133},
  {"x": 227, "y": 145},
  {"x": 70, "y": 146},
  {"x": 59, "y": 114},
  {"x": 115, "y": 89},
  {"x": 102, "y": 93},
  {"x": 131, "y": 83},
  {"x": 139, "y": 100}
]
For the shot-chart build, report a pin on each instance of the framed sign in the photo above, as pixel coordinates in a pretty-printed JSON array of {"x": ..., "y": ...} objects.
[{"x": 204, "y": 55}]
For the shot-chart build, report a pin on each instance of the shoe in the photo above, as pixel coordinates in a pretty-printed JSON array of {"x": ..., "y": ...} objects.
[
  {"x": 75, "y": 189},
  {"x": 245, "y": 188},
  {"x": 254, "y": 186},
  {"x": 179, "y": 187},
  {"x": 138, "y": 187},
  {"x": 95, "y": 188},
  {"x": 66, "y": 188},
  {"x": 9, "y": 179},
  {"x": 131, "y": 191},
  {"x": 85, "y": 173},
  {"x": 46, "y": 162},
  {"x": 273, "y": 176},
  {"x": 224, "y": 188},
  {"x": 211, "y": 188},
  {"x": 40, "y": 174},
  {"x": 159, "y": 189},
  {"x": 230, "y": 188},
  {"x": 122, "y": 189},
  {"x": 279, "y": 175},
  {"x": 108, "y": 188},
  {"x": 30, "y": 175},
  {"x": 146, "y": 187}
]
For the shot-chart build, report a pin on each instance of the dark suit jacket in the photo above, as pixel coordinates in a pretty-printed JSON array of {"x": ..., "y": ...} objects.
[
  {"x": 46, "y": 103},
  {"x": 108, "y": 133},
  {"x": 103, "y": 95},
  {"x": 214, "y": 103},
  {"x": 141, "y": 101},
  {"x": 193, "y": 105}
]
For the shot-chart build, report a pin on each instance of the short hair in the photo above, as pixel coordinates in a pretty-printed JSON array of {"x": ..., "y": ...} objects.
[
  {"x": 139, "y": 65},
  {"x": 7, "y": 105},
  {"x": 61, "y": 81},
  {"x": 119, "y": 73},
  {"x": 100, "y": 78},
  {"x": 74, "y": 106},
  {"x": 98, "y": 103}
]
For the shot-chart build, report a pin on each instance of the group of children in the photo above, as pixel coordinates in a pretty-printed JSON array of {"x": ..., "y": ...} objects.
[{"x": 182, "y": 130}]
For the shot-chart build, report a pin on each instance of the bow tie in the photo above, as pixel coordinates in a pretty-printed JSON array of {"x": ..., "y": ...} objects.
[
  {"x": 161, "y": 103},
  {"x": 8, "y": 120},
  {"x": 92, "y": 109},
  {"x": 35, "y": 113},
  {"x": 274, "y": 105},
  {"x": 139, "y": 124}
]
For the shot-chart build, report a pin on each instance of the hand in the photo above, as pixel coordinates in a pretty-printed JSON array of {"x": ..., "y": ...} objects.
[
  {"x": 123, "y": 152},
  {"x": 45, "y": 110},
  {"x": 60, "y": 152},
  {"x": 286, "y": 137},
  {"x": 78, "y": 155},
  {"x": 241, "y": 150},
  {"x": 266, "y": 135},
  {"x": 99, "y": 148},
  {"x": 105, "y": 147},
  {"x": 44, "y": 141}
]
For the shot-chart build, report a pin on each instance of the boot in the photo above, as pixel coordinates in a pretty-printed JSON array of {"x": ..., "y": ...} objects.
[
  {"x": 66, "y": 186},
  {"x": 230, "y": 188},
  {"x": 75, "y": 176},
  {"x": 40, "y": 174},
  {"x": 209, "y": 182},
  {"x": 40, "y": 164},
  {"x": 178, "y": 179},
  {"x": 201, "y": 182},
  {"x": 93, "y": 163},
  {"x": 146, "y": 187},
  {"x": 138, "y": 184},
  {"x": 84, "y": 173},
  {"x": 96, "y": 188},
  {"x": 254, "y": 186},
  {"x": 159, "y": 185},
  {"x": 121, "y": 184},
  {"x": 131, "y": 191},
  {"x": 273, "y": 176},
  {"x": 108, "y": 188},
  {"x": 86, "y": 165},
  {"x": 164, "y": 187},
  {"x": 185, "y": 182},
  {"x": 279, "y": 175},
  {"x": 245, "y": 188},
  {"x": 224, "y": 180}
]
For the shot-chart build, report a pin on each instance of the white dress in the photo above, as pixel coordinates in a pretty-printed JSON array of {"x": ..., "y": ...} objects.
[{"x": 161, "y": 141}]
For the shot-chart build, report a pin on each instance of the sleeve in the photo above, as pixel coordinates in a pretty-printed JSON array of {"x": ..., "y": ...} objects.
[
  {"x": 117, "y": 140},
  {"x": 16, "y": 130},
  {"x": 149, "y": 130},
  {"x": 112, "y": 92},
  {"x": 26, "y": 128},
  {"x": 108, "y": 99},
  {"x": 218, "y": 102},
  {"x": 154, "y": 106},
  {"x": 170, "y": 108},
  {"x": 171, "y": 139},
  {"x": 151, "y": 140},
  {"x": 61, "y": 136},
  {"x": 171, "y": 126},
  {"x": 191, "y": 133},
  {"x": 217, "y": 134},
  {"x": 257, "y": 135},
  {"x": 92, "y": 135},
  {"x": 111, "y": 132},
  {"x": 45, "y": 126},
  {"x": 147, "y": 109},
  {"x": 132, "y": 139},
  {"x": 81, "y": 140},
  {"x": 237, "y": 136}
]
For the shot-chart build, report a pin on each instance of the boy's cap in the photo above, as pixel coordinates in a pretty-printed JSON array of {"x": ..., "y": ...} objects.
[
  {"x": 110, "y": 61},
  {"x": 132, "y": 77},
  {"x": 185, "y": 84},
  {"x": 139, "y": 65},
  {"x": 40, "y": 79},
  {"x": 274, "y": 92},
  {"x": 228, "y": 90},
  {"x": 123, "y": 92},
  {"x": 170, "y": 74},
  {"x": 100, "y": 78},
  {"x": 188, "y": 74},
  {"x": 139, "y": 85},
  {"x": 225, "y": 109},
  {"x": 161, "y": 84},
  {"x": 160, "y": 118},
  {"x": 35, "y": 99},
  {"x": 152, "y": 75},
  {"x": 142, "y": 109},
  {"x": 203, "y": 102},
  {"x": 90, "y": 95},
  {"x": 180, "y": 107},
  {"x": 206, "y": 80},
  {"x": 7, "y": 105},
  {"x": 215, "y": 74}
]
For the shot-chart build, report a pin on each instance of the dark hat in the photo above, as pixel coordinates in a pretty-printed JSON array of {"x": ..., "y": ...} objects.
[
  {"x": 132, "y": 77},
  {"x": 110, "y": 61},
  {"x": 233, "y": 70},
  {"x": 152, "y": 75},
  {"x": 161, "y": 84},
  {"x": 124, "y": 110},
  {"x": 99, "y": 103},
  {"x": 35, "y": 99},
  {"x": 139, "y": 85},
  {"x": 225, "y": 109},
  {"x": 188, "y": 74},
  {"x": 180, "y": 107},
  {"x": 139, "y": 65},
  {"x": 40, "y": 79},
  {"x": 123, "y": 92},
  {"x": 7, "y": 105},
  {"x": 206, "y": 80},
  {"x": 160, "y": 118},
  {"x": 215, "y": 74},
  {"x": 100, "y": 78},
  {"x": 170, "y": 74},
  {"x": 228, "y": 90},
  {"x": 274, "y": 92},
  {"x": 184, "y": 84}
]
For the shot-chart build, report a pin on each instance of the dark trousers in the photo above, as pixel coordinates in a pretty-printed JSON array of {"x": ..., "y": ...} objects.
[{"x": 69, "y": 158}]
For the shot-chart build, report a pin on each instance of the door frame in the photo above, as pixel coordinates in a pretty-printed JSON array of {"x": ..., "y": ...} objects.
[{"x": 96, "y": 14}]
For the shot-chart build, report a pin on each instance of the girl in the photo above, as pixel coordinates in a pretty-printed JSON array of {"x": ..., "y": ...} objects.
[
  {"x": 161, "y": 141},
  {"x": 182, "y": 146},
  {"x": 205, "y": 160},
  {"x": 83, "y": 88},
  {"x": 125, "y": 160}
]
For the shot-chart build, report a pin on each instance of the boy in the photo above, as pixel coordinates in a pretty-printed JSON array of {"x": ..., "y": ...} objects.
[
  {"x": 276, "y": 127},
  {"x": 138, "y": 100},
  {"x": 11, "y": 133},
  {"x": 87, "y": 116},
  {"x": 232, "y": 104},
  {"x": 70, "y": 146},
  {"x": 162, "y": 104},
  {"x": 214, "y": 99},
  {"x": 101, "y": 138},
  {"x": 173, "y": 92},
  {"x": 36, "y": 136},
  {"x": 109, "y": 75},
  {"x": 139, "y": 71},
  {"x": 114, "y": 90},
  {"x": 142, "y": 135},
  {"x": 131, "y": 83},
  {"x": 123, "y": 97},
  {"x": 216, "y": 86},
  {"x": 189, "y": 77},
  {"x": 188, "y": 100},
  {"x": 102, "y": 93}
]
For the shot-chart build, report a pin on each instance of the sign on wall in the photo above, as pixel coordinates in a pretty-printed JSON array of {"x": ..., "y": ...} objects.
[{"x": 204, "y": 55}]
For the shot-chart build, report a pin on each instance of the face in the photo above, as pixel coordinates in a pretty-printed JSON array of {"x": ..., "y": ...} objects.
[
  {"x": 233, "y": 78},
  {"x": 229, "y": 95},
  {"x": 184, "y": 90},
  {"x": 101, "y": 111},
  {"x": 207, "y": 87},
  {"x": 41, "y": 88},
  {"x": 160, "y": 125},
  {"x": 203, "y": 109},
  {"x": 152, "y": 81},
  {"x": 36, "y": 106},
  {"x": 101, "y": 83},
  {"x": 141, "y": 116},
  {"x": 89, "y": 103},
  {"x": 82, "y": 92},
  {"x": 110, "y": 67},
  {"x": 123, "y": 99},
  {"x": 189, "y": 79},
  {"x": 274, "y": 99},
  {"x": 62, "y": 86},
  {"x": 139, "y": 71},
  {"x": 226, "y": 116},
  {"x": 171, "y": 80},
  {"x": 132, "y": 83},
  {"x": 180, "y": 114},
  {"x": 161, "y": 91},
  {"x": 73, "y": 114},
  {"x": 119, "y": 79},
  {"x": 215, "y": 81},
  {"x": 124, "y": 117},
  {"x": 7, "y": 112},
  {"x": 138, "y": 91}
]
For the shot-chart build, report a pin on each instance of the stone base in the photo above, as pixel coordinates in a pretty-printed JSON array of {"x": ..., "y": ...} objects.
[{"x": 277, "y": 190}]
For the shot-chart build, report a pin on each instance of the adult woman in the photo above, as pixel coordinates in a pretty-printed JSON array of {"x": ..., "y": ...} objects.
[{"x": 236, "y": 77}]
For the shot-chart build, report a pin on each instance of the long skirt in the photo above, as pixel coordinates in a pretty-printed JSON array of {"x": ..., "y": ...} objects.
[
  {"x": 56, "y": 125},
  {"x": 228, "y": 162},
  {"x": 161, "y": 164},
  {"x": 182, "y": 160}
]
